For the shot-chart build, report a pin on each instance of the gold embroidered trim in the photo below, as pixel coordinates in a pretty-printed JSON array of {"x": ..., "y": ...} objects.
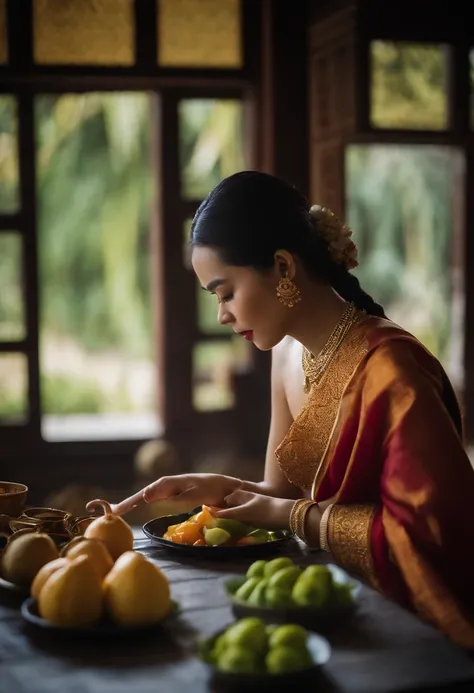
[
  {"x": 348, "y": 536},
  {"x": 302, "y": 453}
]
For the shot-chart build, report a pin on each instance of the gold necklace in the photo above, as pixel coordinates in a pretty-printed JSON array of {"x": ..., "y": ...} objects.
[{"x": 314, "y": 367}]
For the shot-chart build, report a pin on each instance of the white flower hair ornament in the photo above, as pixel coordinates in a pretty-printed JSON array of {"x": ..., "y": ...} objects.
[{"x": 337, "y": 235}]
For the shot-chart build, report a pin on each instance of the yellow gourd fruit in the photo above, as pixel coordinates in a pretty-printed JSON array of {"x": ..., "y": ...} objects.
[
  {"x": 25, "y": 555},
  {"x": 136, "y": 591},
  {"x": 116, "y": 534},
  {"x": 95, "y": 549},
  {"x": 44, "y": 573},
  {"x": 72, "y": 596}
]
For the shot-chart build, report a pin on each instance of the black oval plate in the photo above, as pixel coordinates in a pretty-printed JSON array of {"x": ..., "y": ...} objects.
[
  {"x": 318, "y": 647},
  {"x": 104, "y": 629},
  {"x": 311, "y": 617},
  {"x": 154, "y": 530}
]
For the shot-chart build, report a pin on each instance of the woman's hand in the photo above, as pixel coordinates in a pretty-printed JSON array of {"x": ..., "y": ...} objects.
[
  {"x": 267, "y": 512},
  {"x": 255, "y": 509},
  {"x": 197, "y": 489}
]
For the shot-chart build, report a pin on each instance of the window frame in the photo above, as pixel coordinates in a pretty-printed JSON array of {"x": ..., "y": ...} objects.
[{"x": 24, "y": 80}]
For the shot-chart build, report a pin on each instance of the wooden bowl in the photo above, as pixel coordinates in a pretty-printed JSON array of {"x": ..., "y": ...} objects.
[{"x": 12, "y": 498}]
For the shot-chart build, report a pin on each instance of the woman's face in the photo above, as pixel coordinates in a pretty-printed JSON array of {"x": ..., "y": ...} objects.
[{"x": 246, "y": 299}]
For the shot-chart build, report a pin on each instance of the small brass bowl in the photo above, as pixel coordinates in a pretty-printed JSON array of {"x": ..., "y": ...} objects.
[
  {"x": 53, "y": 521},
  {"x": 12, "y": 498},
  {"x": 76, "y": 526},
  {"x": 21, "y": 522}
]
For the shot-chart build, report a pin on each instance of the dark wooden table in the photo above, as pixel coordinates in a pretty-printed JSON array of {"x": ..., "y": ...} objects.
[{"x": 382, "y": 648}]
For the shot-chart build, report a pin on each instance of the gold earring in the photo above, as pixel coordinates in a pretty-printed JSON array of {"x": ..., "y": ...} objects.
[{"x": 287, "y": 292}]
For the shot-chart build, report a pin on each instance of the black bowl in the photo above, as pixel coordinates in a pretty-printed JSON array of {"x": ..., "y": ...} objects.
[
  {"x": 312, "y": 617},
  {"x": 154, "y": 530},
  {"x": 11, "y": 587},
  {"x": 105, "y": 629},
  {"x": 319, "y": 650}
]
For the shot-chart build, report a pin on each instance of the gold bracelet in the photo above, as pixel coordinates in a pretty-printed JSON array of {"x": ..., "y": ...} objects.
[
  {"x": 323, "y": 529},
  {"x": 298, "y": 514}
]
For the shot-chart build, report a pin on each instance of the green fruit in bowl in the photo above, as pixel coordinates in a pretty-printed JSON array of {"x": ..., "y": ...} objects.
[
  {"x": 277, "y": 564},
  {"x": 289, "y": 635},
  {"x": 238, "y": 660},
  {"x": 219, "y": 647},
  {"x": 258, "y": 595},
  {"x": 317, "y": 572},
  {"x": 285, "y": 578},
  {"x": 256, "y": 569},
  {"x": 312, "y": 591},
  {"x": 236, "y": 529},
  {"x": 280, "y": 660},
  {"x": 271, "y": 629},
  {"x": 321, "y": 576},
  {"x": 342, "y": 594},
  {"x": 258, "y": 536},
  {"x": 234, "y": 583},
  {"x": 216, "y": 536},
  {"x": 278, "y": 598},
  {"x": 248, "y": 633},
  {"x": 245, "y": 590}
]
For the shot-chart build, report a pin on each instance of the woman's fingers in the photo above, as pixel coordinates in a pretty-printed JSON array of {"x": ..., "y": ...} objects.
[
  {"x": 128, "y": 504},
  {"x": 239, "y": 497},
  {"x": 238, "y": 502},
  {"x": 210, "y": 489},
  {"x": 237, "y": 512},
  {"x": 167, "y": 487}
]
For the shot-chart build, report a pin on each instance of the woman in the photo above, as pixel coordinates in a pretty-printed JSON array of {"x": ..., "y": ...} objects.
[{"x": 365, "y": 457}]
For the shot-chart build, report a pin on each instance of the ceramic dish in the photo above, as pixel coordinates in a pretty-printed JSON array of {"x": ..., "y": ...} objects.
[
  {"x": 104, "y": 629},
  {"x": 320, "y": 653},
  {"x": 154, "y": 530},
  {"x": 311, "y": 617}
]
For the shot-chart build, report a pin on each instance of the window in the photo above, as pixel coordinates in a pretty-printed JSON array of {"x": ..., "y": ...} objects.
[
  {"x": 89, "y": 32},
  {"x": 9, "y": 170},
  {"x": 94, "y": 190},
  {"x": 199, "y": 34},
  {"x": 408, "y": 86},
  {"x": 211, "y": 139},
  {"x": 215, "y": 365},
  {"x": 401, "y": 202},
  {"x": 207, "y": 314},
  {"x": 12, "y": 319},
  {"x": 213, "y": 376},
  {"x": 91, "y": 281},
  {"x": 211, "y": 143},
  {"x": 13, "y": 388}
]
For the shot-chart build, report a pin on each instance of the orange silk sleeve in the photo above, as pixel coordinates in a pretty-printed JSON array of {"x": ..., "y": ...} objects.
[{"x": 413, "y": 538}]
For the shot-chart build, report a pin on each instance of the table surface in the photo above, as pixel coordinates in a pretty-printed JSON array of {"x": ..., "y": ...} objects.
[{"x": 381, "y": 649}]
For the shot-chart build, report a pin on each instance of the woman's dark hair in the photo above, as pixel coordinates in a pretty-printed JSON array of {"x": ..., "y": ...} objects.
[{"x": 251, "y": 215}]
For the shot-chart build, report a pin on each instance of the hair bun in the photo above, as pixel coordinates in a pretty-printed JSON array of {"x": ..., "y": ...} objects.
[{"x": 337, "y": 235}]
